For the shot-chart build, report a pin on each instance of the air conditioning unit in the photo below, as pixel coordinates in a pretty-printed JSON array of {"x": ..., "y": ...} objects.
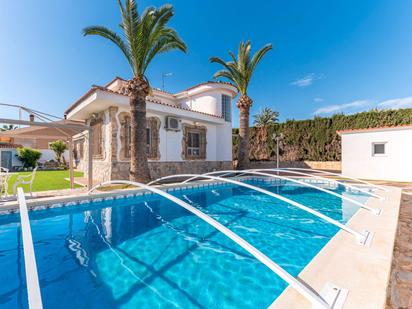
[{"x": 173, "y": 124}]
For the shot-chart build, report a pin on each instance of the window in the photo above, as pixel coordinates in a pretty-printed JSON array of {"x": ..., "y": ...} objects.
[
  {"x": 97, "y": 138},
  {"x": 378, "y": 149},
  {"x": 152, "y": 137},
  {"x": 226, "y": 107},
  {"x": 193, "y": 144}
]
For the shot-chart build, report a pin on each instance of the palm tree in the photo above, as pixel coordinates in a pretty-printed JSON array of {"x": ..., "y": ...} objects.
[
  {"x": 8, "y": 127},
  {"x": 265, "y": 118},
  {"x": 239, "y": 71},
  {"x": 262, "y": 122},
  {"x": 144, "y": 37}
]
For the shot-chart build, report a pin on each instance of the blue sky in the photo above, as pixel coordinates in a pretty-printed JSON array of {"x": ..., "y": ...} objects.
[{"x": 328, "y": 57}]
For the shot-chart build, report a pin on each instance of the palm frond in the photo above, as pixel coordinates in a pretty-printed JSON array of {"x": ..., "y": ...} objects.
[
  {"x": 241, "y": 67},
  {"x": 259, "y": 55},
  {"x": 167, "y": 41},
  {"x": 266, "y": 117},
  {"x": 145, "y": 36},
  {"x": 112, "y": 36}
]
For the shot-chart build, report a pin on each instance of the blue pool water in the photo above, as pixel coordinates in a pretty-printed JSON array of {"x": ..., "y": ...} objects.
[{"x": 146, "y": 252}]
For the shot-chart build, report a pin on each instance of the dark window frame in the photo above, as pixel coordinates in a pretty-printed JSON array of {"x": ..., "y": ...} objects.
[
  {"x": 98, "y": 139},
  {"x": 379, "y": 153},
  {"x": 226, "y": 107}
]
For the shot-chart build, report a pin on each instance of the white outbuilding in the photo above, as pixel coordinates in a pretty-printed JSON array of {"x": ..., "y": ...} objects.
[{"x": 383, "y": 153}]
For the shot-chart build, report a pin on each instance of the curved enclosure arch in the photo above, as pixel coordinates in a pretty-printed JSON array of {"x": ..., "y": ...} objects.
[
  {"x": 361, "y": 237},
  {"x": 340, "y": 175},
  {"x": 292, "y": 171},
  {"x": 148, "y": 250},
  {"x": 258, "y": 173},
  {"x": 313, "y": 297}
]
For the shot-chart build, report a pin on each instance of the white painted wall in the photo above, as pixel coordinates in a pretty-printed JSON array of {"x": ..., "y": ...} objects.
[
  {"x": 218, "y": 137},
  {"x": 359, "y": 162},
  {"x": 47, "y": 155},
  {"x": 209, "y": 102},
  {"x": 205, "y": 98}
]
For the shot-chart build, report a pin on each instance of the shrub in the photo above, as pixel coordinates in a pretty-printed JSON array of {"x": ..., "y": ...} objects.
[
  {"x": 28, "y": 156},
  {"x": 316, "y": 139},
  {"x": 59, "y": 147}
]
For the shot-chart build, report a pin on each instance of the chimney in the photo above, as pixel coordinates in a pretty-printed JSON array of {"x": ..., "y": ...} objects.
[{"x": 31, "y": 117}]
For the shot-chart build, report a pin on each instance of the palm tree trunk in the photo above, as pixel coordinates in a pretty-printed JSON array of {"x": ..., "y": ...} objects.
[
  {"x": 244, "y": 104},
  {"x": 139, "y": 169}
]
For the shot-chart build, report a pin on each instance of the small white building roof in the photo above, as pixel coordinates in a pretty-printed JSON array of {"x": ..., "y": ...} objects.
[{"x": 376, "y": 129}]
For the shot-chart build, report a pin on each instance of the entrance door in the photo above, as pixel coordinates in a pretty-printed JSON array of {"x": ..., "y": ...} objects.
[{"x": 6, "y": 157}]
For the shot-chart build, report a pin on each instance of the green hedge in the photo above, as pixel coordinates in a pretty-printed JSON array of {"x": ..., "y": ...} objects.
[{"x": 316, "y": 139}]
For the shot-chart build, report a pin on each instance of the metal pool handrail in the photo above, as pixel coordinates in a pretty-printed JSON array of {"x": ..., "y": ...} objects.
[
  {"x": 256, "y": 172},
  {"x": 32, "y": 278},
  {"x": 340, "y": 175},
  {"x": 361, "y": 238},
  {"x": 313, "y": 297}
]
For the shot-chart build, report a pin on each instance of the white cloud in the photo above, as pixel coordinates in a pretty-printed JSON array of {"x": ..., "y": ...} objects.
[
  {"x": 396, "y": 103},
  {"x": 362, "y": 105},
  {"x": 305, "y": 81},
  {"x": 351, "y": 106},
  {"x": 318, "y": 99}
]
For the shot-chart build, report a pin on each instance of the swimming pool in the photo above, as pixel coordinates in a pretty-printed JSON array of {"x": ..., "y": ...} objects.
[{"x": 146, "y": 252}]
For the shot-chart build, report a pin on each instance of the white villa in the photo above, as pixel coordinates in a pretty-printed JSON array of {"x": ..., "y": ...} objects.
[{"x": 187, "y": 132}]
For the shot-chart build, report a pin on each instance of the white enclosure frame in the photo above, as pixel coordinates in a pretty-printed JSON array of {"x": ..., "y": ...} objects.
[
  {"x": 258, "y": 173},
  {"x": 361, "y": 237},
  {"x": 287, "y": 170},
  {"x": 32, "y": 278},
  {"x": 308, "y": 293},
  {"x": 340, "y": 175}
]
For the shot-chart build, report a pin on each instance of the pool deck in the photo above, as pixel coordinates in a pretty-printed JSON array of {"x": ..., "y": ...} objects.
[{"x": 363, "y": 271}]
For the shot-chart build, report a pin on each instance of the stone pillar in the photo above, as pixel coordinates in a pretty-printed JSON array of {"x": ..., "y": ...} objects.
[
  {"x": 114, "y": 128},
  {"x": 115, "y": 165}
]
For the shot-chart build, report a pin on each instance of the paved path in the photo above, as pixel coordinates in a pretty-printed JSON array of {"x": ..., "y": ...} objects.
[{"x": 400, "y": 286}]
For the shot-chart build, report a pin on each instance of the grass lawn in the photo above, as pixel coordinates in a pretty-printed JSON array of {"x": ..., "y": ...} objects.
[{"x": 46, "y": 180}]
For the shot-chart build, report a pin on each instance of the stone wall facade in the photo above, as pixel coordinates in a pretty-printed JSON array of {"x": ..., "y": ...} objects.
[
  {"x": 319, "y": 165},
  {"x": 113, "y": 163},
  {"x": 120, "y": 170}
]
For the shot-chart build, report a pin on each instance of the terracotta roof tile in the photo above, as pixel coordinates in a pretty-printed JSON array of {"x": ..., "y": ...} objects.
[
  {"x": 114, "y": 79},
  {"x": 157, "y": 101},
  {"x": 122, "y": 92},
  {"x": 208, "y": 82},
  {"x": 10, "y": 145}
]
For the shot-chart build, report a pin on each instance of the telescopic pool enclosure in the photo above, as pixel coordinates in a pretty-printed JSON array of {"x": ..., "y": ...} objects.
[{"x": 330, "y": 297}]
